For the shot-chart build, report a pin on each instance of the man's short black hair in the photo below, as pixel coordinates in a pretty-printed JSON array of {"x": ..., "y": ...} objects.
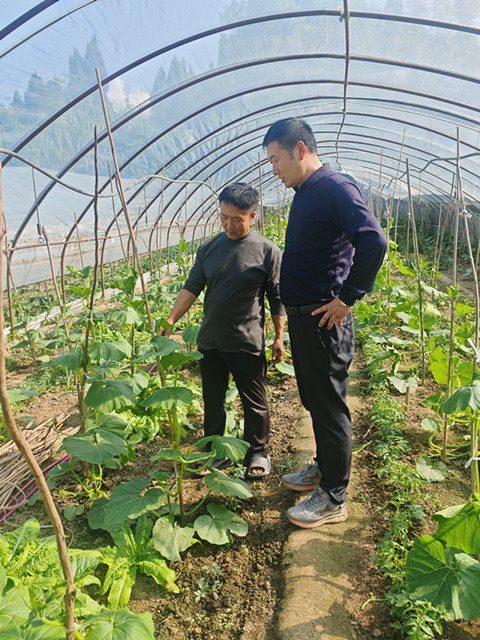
[
  {"x": 240, "y": 195},
  {"x": 288, "y": 132}
]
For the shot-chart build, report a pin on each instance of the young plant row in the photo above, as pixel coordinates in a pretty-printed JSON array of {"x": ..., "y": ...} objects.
[
  {"x": 129, "y": 386},
  {"x": 433, "y": 578}
]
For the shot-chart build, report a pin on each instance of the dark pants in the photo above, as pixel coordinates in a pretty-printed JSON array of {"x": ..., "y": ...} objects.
[
  {"x": 321, "y": 358},
  {"x": 248, "y": 372}
]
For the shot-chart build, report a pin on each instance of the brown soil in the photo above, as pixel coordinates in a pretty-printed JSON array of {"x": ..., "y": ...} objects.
[{"x": 244, "y": 582}]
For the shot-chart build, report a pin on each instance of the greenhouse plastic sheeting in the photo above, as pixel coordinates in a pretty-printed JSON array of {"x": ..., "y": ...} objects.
[{"x": 191, "y": 88}]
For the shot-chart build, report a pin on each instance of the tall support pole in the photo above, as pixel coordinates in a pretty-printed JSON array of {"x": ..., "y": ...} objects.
[
  {"x": 260, "y": 182},
  {"x": 116, "y": 219},
  {"x": 9, "y": 286},
  {"x": 419, "y": 275},
  {"x": 123, "y": 200},
  {"x": 54, "y": 278},
  {"x": 79, "y": 241}
]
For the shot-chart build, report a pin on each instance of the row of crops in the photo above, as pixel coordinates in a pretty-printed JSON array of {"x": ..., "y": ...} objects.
[{"x": 131, "y": 385}]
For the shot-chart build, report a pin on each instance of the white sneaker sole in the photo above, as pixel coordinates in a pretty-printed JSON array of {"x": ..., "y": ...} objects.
[
  {"x": 341, "y": 516},
  {"x": 304, "y": 487}
]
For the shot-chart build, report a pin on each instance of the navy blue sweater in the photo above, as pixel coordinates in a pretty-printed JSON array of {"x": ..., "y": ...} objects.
[{"x": 329, "y": 227}]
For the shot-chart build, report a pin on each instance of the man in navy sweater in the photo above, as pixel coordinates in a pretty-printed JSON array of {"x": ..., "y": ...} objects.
[{"x": 334, "y": 247}]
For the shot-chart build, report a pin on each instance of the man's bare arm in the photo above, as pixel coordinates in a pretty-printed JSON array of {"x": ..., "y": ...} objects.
[{"x": 278, "y": 348}]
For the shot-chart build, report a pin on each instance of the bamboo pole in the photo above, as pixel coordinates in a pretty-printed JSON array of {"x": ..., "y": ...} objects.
[
  {"x": 452, "y": 303},
  {"x": 123, "y": 200},
  {"x": 79, "y": 241},
  {"x": 260, "y": 182},
  {"x": 54, "y": 278},
  {"x": 116, "y": 219},
  {"x": 9, "y": 285},
  {"x": 435, "y": 264},
  {"x": 419, "y": 275},
  {"x": 24, "y": 448}
]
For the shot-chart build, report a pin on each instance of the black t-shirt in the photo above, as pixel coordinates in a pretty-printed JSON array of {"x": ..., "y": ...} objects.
[{"x": 238, "y": 274}]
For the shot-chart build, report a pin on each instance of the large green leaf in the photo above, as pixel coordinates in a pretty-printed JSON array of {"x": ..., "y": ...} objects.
[
  {"x": 27, "y": 532},
  {"x": 467, "y": 396},
  {"x": 216, "y": 527},
  {"x": 175, "y": 360},
  {"x": 121, "y": 587},
  {"x": 431, "y": 424},
  {"x": 36, "y": 630},
  {"x": 125, "y": 316},
  {"x": 96, "y": 447},
  {"x": 127, "y": 285},
  {"x": 170, "y": 539},
  {"x": 444, "y": 576},
  {"x": 110, "y": 395},
  {"x": 163, "y": 345},
  {"x": 285, "y": 368},
  {"x": 459, "y": 527},
  {"x": 401, "y": 384},
  {"x": 431, "y": 471},
  {"x": 120, "y": 625},
  {"x": 139, "y": 381},
  {"x": 129, "y": 501},
  {"x": 108, "y": 351},
  {"x": 18, "y": 395},
  {"x": 190, "y": 333},
  {"x": 221, "y": 483},
  {"x": 462, "y": 371},
  {"x": 174, "y": 455},
  {"x": 13, "y": 606},
  {"x": 96, "y": 515},
  {"x": 113, "y": 423},
  {"x": 168, "y": 397},
  {"x": 83, "y": 292},
  {"x": 69, "y": 361},
  {"x": 157, "y": 568},
  {"x": 228, "y": 447}
]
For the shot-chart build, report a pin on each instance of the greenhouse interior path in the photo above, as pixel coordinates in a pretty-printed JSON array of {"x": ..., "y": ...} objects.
[{"x": 321, "y": 565}]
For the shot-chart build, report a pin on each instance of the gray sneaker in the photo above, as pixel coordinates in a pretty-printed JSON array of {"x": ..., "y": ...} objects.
[
  {"x": 306, "y": 479},
  {"x": 317, "y": 510}
]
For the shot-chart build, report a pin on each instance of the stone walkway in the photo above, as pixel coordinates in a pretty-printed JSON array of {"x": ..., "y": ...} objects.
[{"x": 320, "y": 564}]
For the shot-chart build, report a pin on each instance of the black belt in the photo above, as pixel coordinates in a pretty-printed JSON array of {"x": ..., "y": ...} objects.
[{"x": 303, "y": 310}]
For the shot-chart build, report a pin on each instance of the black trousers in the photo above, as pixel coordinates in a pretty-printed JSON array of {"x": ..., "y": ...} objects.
[
  {"x": 248, "y": 372},
  {"x": 321, "y": 358}
]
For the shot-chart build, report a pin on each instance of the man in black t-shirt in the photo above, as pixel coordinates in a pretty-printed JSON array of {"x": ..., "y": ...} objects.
[{"x": 238, "y": 267}]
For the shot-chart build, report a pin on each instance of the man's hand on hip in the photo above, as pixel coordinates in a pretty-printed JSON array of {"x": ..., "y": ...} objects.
[{"x": 333, "y": 312}]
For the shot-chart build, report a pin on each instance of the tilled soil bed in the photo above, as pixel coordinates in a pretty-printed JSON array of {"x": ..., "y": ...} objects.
[{"x": 234, "y": 592}]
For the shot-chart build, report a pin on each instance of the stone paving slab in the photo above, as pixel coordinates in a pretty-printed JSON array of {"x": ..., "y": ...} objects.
[{"x": 320, "y": 565}]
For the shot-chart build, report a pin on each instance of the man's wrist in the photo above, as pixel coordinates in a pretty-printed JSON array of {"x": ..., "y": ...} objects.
[{"x": 344, "y": 304}]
